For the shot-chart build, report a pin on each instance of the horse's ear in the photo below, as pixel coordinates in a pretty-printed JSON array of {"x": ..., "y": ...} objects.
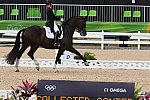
[{"x": 85, "y": 18}]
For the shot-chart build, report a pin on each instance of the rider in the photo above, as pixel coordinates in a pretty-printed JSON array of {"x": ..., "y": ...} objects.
[{"x": 50, "y": 20}]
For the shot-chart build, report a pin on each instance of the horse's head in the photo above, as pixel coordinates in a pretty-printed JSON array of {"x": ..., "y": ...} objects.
[{"x": 81, "y": 26}]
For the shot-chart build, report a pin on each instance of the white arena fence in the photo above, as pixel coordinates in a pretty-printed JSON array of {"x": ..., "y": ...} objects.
[
  {"x": 72, "y": 63},
  {"x": 103, "y": 13},
  {"x": 94, "y": 38}
]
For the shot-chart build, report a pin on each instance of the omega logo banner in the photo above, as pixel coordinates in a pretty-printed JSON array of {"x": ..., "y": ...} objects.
[{"x": 100, "y": 90}]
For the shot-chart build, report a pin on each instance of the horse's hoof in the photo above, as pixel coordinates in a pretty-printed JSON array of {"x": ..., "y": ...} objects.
[
  {"x": 17, "y": 70},
  {"x": 86, "y": 63},
  {"x": 59, "y": 61},
  {"x": 56, "y": 71},
  {"x": 38, "y": 68},
  {"x": 54, "y": 66}
]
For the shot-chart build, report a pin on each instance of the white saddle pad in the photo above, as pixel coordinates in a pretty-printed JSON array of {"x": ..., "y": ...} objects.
[{"x": 51, "y": 35}]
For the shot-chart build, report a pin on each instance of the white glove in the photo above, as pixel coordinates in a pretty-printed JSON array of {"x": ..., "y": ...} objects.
[{"x": 61, "y": 19}]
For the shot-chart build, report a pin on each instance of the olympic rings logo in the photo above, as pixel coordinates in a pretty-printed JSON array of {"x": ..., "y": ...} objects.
[{"x": 50, "y": 87}]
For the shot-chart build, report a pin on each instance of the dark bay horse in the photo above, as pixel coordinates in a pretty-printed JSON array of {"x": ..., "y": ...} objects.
[{"x": 35, "y": 37}]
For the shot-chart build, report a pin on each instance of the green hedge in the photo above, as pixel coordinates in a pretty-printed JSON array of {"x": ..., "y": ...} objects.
[{"x": 91, "y": 26}]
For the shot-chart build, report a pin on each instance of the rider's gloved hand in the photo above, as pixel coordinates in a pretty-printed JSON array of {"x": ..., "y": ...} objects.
[{"x": 61, "y": 19}]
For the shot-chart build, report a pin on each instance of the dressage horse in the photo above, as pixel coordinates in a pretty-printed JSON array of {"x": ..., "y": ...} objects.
[{"x": 35, "y": 37}]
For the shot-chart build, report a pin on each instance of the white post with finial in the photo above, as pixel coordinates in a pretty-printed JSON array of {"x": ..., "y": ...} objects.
[{"x": 102, "y": 44}]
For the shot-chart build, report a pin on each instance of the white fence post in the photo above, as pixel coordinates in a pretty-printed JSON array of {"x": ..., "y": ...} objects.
[
  {"x": 102, "y": 44},
  {"x": 139, "y": 40}
]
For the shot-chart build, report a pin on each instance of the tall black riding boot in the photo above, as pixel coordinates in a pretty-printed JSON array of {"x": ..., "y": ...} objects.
[{"x": 56, "y": 39}]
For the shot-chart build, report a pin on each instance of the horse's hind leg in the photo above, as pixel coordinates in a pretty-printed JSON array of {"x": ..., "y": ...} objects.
[
  {"x": 21, "y": 51},
  {"x": 77, "y": 53},
  {"x": 31, "y": 53}
]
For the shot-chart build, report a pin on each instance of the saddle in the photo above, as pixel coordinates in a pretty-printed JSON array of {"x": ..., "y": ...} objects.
[{"x": 57, "y": 28}]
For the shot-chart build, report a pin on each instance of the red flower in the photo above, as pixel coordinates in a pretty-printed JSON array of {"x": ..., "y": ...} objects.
[{"x": 24, "y": 91}]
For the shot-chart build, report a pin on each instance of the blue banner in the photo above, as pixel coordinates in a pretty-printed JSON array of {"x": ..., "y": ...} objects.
[{"x": 86, "y": 89}]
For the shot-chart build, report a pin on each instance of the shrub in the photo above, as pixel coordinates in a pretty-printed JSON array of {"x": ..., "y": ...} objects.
[
  {"x": 137, "y": 91},
  {"x": 24, "y": 92},
  {"x": 87, "y": 56}
]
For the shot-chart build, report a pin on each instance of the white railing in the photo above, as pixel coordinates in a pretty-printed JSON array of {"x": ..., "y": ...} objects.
[
  {"x": 97, "y": 38},
  {"x": 138, "y": 39},
  {"x": 135, "y": 38}
]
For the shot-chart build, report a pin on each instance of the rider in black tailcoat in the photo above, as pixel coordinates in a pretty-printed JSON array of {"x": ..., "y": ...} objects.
[{"x": 50, "y": 20}]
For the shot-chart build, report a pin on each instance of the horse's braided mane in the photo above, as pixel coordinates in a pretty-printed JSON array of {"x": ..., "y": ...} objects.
[{"x": 70, "y": 19}]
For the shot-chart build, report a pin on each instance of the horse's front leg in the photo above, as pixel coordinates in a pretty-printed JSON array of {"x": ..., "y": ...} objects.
[
  {"x": 77, "y": 53},
  {"x": 37, "y": 64},
  {"x": 16, "y": 65},
  {"x": 57, "y": 60}
]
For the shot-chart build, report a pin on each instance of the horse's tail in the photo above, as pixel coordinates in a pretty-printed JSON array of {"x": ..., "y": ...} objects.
[{"x": 11, "y": 57}]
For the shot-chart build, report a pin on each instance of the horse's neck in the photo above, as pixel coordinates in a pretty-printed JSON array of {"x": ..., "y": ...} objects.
[
  {"x": 71, "y": 22},
  {"x": 69, "y": 28}
]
